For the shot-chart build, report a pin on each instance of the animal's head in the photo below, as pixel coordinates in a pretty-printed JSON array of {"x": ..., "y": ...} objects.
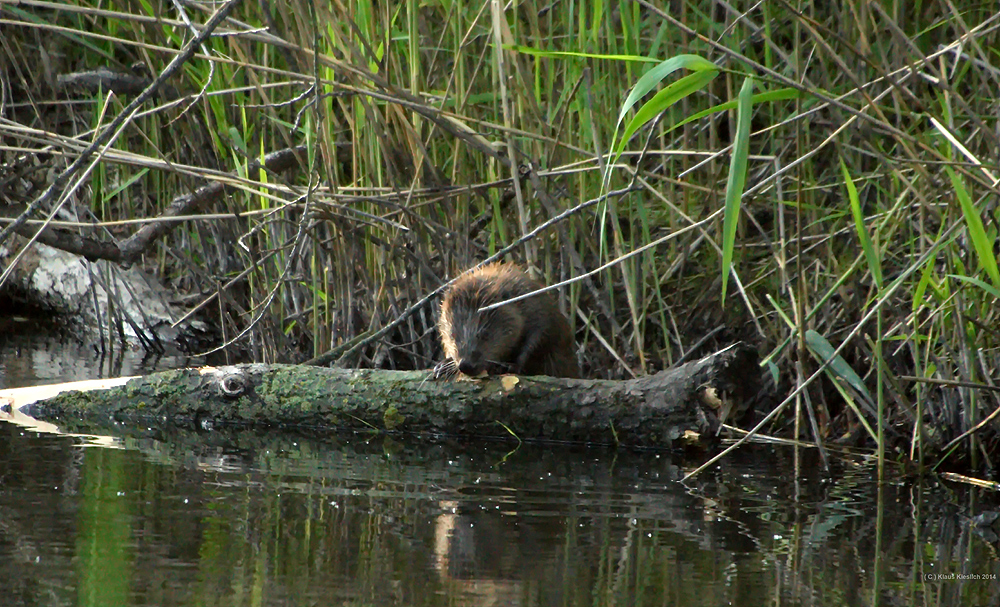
[{"x": 480, "y": 341}]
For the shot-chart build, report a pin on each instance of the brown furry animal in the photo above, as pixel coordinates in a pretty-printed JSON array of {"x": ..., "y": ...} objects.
[{"x": 528, "y": 337}]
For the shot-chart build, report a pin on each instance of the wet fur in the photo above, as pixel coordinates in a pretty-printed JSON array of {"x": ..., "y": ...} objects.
[{"x": 529, "y": 337}]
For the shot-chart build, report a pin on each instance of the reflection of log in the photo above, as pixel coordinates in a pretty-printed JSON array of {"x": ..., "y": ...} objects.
[{"x": 665, "y": 410}]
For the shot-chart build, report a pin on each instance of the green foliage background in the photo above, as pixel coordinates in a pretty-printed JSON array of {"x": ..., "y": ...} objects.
[{"x": 870, "y": 177}]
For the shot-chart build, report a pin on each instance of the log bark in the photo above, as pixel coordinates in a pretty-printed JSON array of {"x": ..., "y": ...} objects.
[{"x": 671, "y": 409}]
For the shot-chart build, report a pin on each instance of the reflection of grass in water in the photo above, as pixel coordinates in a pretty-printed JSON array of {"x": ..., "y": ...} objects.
[
  {"x": 218, "y": 517},
  {"x": 105, "y": 547}
]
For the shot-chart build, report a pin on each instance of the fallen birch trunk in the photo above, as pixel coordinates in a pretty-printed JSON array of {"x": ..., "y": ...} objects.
[{"x": 670, "y": 409}]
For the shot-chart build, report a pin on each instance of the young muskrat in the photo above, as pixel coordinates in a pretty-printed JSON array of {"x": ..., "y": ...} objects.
[{"x": 528, "y": 337}]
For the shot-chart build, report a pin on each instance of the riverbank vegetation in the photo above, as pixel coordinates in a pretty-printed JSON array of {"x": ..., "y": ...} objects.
[{"x": 417, "y": 139}]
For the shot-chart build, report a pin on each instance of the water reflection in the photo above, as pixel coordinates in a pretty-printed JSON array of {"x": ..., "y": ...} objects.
[
  {"x": 250, "y": 519},
  {"x": 34, "y": 351}
]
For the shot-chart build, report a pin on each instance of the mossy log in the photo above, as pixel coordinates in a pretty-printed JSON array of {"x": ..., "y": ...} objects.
[{"x": 670, "y": 409}]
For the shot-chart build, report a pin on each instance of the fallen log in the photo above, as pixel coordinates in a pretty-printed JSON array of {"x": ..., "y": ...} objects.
[{"x": 671, "y": 409}]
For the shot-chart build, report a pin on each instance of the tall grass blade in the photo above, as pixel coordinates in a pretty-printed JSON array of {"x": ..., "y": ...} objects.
[
  {"x": 824, "y": 351},
  {"x": 975, "y": 281},
  {"x": 537, "y": 52},
  {"x": 874, "y": 263},
  {"x": 667, "y": 97},
  {"x": 650, "y": 80},
  {"x": 977, "y": 233},
  {"x": 759, "y": 98},
  {"x": 737, "y": 179}
]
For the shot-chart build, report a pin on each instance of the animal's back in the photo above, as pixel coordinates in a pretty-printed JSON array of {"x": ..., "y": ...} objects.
[{"x": 530, "y": 336}]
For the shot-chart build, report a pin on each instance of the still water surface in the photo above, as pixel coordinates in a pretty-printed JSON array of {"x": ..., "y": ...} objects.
[{"x": 219, "y": 518}]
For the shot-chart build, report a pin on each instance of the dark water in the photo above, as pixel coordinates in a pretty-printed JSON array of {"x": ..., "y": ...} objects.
[
  {"x": 215, "y": 518},
  {"x": 34, "y": 352}
]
